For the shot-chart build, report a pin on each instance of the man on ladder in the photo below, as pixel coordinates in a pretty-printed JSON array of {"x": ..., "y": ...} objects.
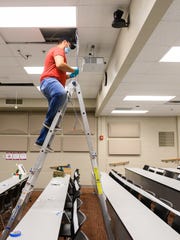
[{"x": 53, "y": 80}]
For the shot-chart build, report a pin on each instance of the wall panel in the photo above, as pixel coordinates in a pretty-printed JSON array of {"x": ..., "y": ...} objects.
[{"x": 124, "y": 146}]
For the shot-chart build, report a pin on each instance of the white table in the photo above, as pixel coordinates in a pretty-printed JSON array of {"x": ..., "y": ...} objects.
[
  {"x": 140, "y": 222},
  {"x": 10, "y": 182},
  {"x": 43, "y": 220},
  {"x": 163, "y": 186},
  {"x": 146, "y": 194}
]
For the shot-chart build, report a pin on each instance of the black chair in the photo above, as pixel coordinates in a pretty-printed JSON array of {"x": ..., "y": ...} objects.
[
  {"x": 134, "y": 193},
  {"x": 161, "y": 211},
  {"x": 112, "y": 175},
  {"x": 22, "y": 184},
  {"x": 127, "y": 187},
  {"x": 16, "y": 194},
  {"x": 178, "y": 177},
  {"x": 176, "y": 223},
  {"x": 74, "y": 189},
  {"x": 146, "y": 167},
  {"x": 70, "y": 230},
  {"x": 150, "y": 192},
  {"x": 170, "y": 204},
  {"x": 76, "y": 175},
  {"x": 115, "y": 178},
  {"x": 169, "y": 174},
  {"x": 137, "y": 185},
  {"x": 81, "y": 236},
  {"x": 160, "y": 171},
  {"x": 9, "y": 200},
  {"x": 69, "y": 203},
  {"x": 2, "y": 207},
  {"x": 151, "y": 169},
  {"x": 114, "y": 171},
  {"x": 146, "y": 201},
  {"x": 130, "y": 181}
]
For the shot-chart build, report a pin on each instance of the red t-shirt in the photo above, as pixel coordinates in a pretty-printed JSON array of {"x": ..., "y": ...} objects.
[{"x": 50, "y": 69}]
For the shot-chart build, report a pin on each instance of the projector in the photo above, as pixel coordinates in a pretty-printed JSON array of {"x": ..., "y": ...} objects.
[{"x": 93, "y": 64}]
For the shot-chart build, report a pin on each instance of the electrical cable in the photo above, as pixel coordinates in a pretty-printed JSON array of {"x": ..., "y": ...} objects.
[
  {"x": 77, "y": 52},
  {"x": 77, "y": 65}
]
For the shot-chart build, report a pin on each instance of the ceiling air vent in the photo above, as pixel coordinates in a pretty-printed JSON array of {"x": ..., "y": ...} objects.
[
  {"x": 14, "y": 101},
  {"x": 52, "y": 35}
]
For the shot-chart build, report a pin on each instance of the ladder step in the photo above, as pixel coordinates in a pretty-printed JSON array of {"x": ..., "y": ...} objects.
[
  {"x": 48, "y": 148},
  {"x": 57, "y": 128}
]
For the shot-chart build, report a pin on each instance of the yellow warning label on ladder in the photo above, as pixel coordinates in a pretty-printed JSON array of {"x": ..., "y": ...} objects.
[{"x": 98, "y": 182}]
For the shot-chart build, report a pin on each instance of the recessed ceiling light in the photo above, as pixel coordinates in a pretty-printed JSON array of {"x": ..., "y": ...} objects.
[
  {"x": 148, "y": 98},
  {"x": 38, "y": 17},
  {"x": 129, "y": 111},
  {"x": 173, "y": 55},
  {"x": 34, "y": 70}
]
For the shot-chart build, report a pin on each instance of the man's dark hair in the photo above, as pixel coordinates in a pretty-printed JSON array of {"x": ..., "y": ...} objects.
[
  {"x": 68, "y": 39},
  {"x": 61, "y": 39}
]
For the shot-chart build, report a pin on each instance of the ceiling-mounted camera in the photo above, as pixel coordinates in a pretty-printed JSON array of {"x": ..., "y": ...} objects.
[{"x": 118, "y": 21}]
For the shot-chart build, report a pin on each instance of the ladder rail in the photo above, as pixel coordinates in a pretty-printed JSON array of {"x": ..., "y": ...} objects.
[
  {"x": 34, "y": 172},
  {"x": 93, "y": 158}
]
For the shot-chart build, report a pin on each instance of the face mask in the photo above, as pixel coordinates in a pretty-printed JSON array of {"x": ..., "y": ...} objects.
[{"x": 67, "y": 50}]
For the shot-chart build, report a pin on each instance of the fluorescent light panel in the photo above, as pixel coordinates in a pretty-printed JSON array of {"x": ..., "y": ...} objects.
[
  {"x": 37, "y": 17},
  {"x": 34, "y": 70},
  {"x": 129, "y": 111},
  {"x": 148, "y": 98},
  {"x": 173, "y": 55}
]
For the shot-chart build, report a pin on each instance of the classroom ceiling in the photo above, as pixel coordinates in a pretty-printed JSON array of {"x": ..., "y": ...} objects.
[{"x": 21, "y": 47}]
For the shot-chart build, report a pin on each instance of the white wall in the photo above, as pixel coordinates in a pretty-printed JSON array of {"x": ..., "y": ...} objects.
[{"x": 151, "y": 153}]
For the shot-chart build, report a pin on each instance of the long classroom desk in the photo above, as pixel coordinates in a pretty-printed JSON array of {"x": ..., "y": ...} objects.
[
  {"x": 10, "y": 182},
  {"x": 163, "y": 186},
  {"x": 130, "y": 218},
  {"x": 145, "y": 194},
  {"x": 43, "y": 220}
]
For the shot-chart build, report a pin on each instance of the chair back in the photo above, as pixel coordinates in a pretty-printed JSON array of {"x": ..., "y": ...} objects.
[
  {"x": 2, "y": 201},
  {"x": 78, "y": 218},
  {"x": 161, "y": 211},
  {"x": 75, "y": 224},
  {"x": 170, "y": 204},
  {"x": 146, "y": 167},
  {"x": 169, "y": 174},
  {"x": 151, "y": 169},
  {"x": 146, "y": 201},
  {"x": 176, "y": 223},
  {"x": 81, "y": 236}
]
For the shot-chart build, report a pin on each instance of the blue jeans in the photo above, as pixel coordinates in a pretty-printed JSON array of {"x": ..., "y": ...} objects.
[{"x": 55, "y": 93}]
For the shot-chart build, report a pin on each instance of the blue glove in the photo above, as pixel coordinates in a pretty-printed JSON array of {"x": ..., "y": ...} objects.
[{"x": 75, "y": 73}]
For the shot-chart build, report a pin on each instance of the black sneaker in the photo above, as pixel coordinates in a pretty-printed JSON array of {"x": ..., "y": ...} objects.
[
  {"x": 48, "y": 148},
  {"x": 57, "y": 128}
]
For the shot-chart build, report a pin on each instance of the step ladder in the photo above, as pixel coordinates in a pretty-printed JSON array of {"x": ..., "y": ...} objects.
[{"x": 72, "y": 87}]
